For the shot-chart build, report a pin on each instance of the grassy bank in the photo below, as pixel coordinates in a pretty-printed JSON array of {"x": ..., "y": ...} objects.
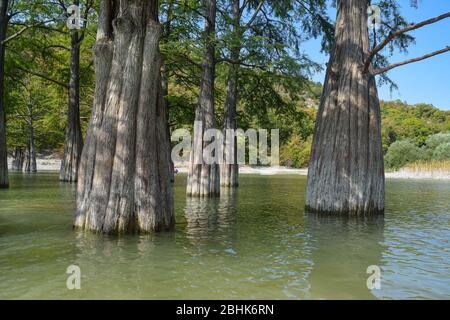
[{"x": 429, "y": 166}]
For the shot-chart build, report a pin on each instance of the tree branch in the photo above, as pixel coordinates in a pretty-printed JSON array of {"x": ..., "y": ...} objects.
[
  {"x": 255, "y": 14},
  {"x": 395, "y": 34},
  {"x": 57, "y": 46},
  {"x": 240, "y": 63},
  {"x": 18, "y": 33},
  {"x": 394, "y": 65},
  {"x": 43, "y": 76}
]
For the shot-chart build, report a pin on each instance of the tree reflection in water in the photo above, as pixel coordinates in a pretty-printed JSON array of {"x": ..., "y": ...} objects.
[{"x": 341, "y": 250}]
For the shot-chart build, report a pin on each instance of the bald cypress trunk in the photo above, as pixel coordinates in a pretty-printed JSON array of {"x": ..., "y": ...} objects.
[
  {"x": 30, "y": 165},
  {"x": 165, "y": 86},
  {"x": 346, "y": 172},
  {"x": 165, "y": 93},
  {"x": 123, "y": 179},
  {"x": 204, "y": 179},
  {"x": 17, "y": 163},
  {"x": 73, "y": 143},
  {"x": 229, "y": 172},
  {"x": 4, "y": 183}
]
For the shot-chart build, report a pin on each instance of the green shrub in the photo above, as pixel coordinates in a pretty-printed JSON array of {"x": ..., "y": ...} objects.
[
  {"x": 401, "y": 153},
  {"x": 296, "y": 152},
  {"x": 442, "y": 152},
  {"x": 436, "y": 139},
  {"x": 433, "y": 142}
]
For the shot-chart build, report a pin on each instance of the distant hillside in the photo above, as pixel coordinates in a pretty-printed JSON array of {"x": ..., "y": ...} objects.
[{"x": 416, "y": 122}]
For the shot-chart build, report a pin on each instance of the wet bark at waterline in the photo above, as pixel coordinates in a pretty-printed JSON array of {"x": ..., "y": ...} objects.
[
  {"x": 346, "y": 172},
  {"x": 204, "y": 179},
  {"x": 123, "y": 179},
  {"x": 73, "y": 143}
]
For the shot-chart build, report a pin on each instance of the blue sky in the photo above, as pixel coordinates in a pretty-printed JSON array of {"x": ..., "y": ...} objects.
[{"x": 425, "y": 81}]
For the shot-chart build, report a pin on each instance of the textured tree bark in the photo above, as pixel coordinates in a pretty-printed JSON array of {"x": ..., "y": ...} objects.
[
  {"x": 346, "y": 171},
  {"x": 165, "y": 93},
  {"x": 165, "y": 88},
  {"x": 229, "y": 172},
  {"x": 123, "y": 178},
  {"x": 17, "y": 163},
  {"x": 73, "y": 143},
  {"x": 30, "y": 156},
  {"x": 204, "y": 179},
  {"x": 4, "y": 182}
]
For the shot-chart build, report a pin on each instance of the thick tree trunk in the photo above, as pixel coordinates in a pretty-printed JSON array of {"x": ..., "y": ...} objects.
[
  {"x": 17, "y": 163},
  {"x": 4, "y": 183},
  {"x": 73, "y": 143},
  {"x": 346, "y": 172},
  {"x": 204, "y": 179},
  {"x": 123, "y": 178},
  {"x": 229, "y": 170}
]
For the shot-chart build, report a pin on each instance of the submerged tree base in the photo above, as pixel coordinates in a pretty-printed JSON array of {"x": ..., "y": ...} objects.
[{"x": 348, "y": 213}]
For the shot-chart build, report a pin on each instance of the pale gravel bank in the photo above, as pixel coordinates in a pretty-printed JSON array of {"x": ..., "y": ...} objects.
[
  {"x": 43, "y": 164},
  {"x": 51, "y": 164}
]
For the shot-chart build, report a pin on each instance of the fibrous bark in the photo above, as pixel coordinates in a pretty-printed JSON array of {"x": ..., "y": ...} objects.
[
  {"x": 229, "y": 170},
  {"x": 123, "y": 178},
  {"x": 4, "y": 183},
  {"x": 204, "y": 179},
  {"x": 73, "y": 143},
  {"x": 346, "y": 171},
  {"x": 29, "y": 165},
  {"x": 18, "y": 159},
  {"x": 165, "y": 87}
]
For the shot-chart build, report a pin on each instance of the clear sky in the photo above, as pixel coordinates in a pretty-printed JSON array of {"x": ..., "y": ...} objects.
[{"x": 425, "y": 81}]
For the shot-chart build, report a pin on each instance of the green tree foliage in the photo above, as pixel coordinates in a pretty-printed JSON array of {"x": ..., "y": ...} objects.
[
  {"x": 296, "y": 152},
  {"x": 40, "y": 54},
  {"x": 442, "y": 152},
  {"x": 435, "y": 140},
  {"x": 274, "y": 90},
  {"x": 401, "y": 153},
  {"x": 402, "y": 121}
]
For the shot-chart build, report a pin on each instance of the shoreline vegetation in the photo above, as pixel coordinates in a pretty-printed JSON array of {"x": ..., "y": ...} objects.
[{"x": 426, "y": 170}]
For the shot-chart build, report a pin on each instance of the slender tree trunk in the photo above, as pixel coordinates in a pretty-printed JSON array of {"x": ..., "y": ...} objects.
[
  {"x": 27, "y": 163},
  {"x": 30, "y": 158},
  {"x": 123, "y": 179},
  {"x": 165, "y": 87},
  {"x": 17, "y": 163},
  {"x": 4, "y": 183},
  {"x": 346, "y": 172},
  {"x": 32, "y": 150},
  {"x": 73, "y": 143},
  {"x": 204, "y": 179},
  {"x": 229, "y": 172}
]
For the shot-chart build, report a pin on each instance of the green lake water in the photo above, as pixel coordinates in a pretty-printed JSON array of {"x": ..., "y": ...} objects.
[{"x": 255, "y": 244}]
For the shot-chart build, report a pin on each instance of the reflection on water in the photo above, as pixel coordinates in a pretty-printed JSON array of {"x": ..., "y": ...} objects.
[
  {"x": 255, "y": 243},
  {"x": 342, "y": 249},
  {"x": 211, "y": 217}
]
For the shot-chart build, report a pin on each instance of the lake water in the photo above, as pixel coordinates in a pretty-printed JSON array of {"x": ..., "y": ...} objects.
[{"x": 255, "y": 244}]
